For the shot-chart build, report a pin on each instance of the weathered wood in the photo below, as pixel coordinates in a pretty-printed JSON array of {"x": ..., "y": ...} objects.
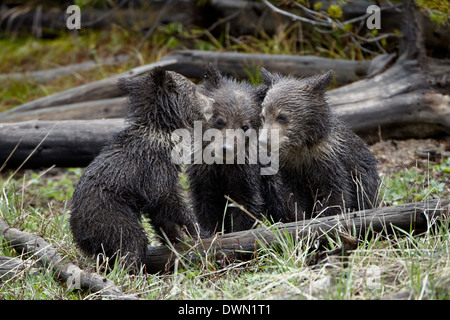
[
  {"x": 97, "y": 90},
  {"x": 47, "y": 256},
  {"x": 72, "y": 143},
  {"x": 11, "y": 267},
  {"x": 89, "y": 110},
  {"x": 412, "y": 218},
  {"x": 410, "y": 99},
  {"x": 55, "y": 73},
  {"x": 397, "y": 104},
  {"x": 191, "y": 63}
]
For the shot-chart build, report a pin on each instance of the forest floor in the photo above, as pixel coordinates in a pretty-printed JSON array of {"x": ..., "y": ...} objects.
[
  {"x": 407, "y": 160},
  {"x": 39, "y": 201}
]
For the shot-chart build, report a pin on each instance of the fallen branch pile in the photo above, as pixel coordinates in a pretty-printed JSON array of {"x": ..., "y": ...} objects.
[{"x": 405, "y": 101}]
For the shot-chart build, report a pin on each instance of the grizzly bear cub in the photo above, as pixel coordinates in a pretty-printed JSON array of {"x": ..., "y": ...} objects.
[
  {"x": 327, "y": 167},
  {"x": 232, "y": 170},
  {"x": 134, "y": 174}
]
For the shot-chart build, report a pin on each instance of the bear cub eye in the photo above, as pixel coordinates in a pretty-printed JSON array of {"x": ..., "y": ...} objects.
[
  {"x": 220, "y": 123},
  {"x": 282, "y": 118}
]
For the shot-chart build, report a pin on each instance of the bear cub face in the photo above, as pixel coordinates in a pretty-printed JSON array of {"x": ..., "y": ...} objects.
[
  {"x": 232, "y": 117},
  {"x": 296, "y": 109}
]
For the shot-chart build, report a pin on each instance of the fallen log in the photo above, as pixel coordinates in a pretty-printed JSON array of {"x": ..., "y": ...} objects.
[
  {"x": 402, "y": 102},
  {"x": 191, "y": 63},
  {"x": 89, "y": 110},
  {"x": 55, "y": 73},
  {"x": 412, "y": 218},
  {"x": 13, "y": 267},
  {"x": 97, "y": 90},
  {"x": 46, "y": 255},
  {"x": 72, "y": 143}
]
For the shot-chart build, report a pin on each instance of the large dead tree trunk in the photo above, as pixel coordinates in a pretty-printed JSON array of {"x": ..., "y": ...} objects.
[
  {"x": 403, "y": 102},
  {"x": 413, "y": 217},
  {"x": 413, "y": 96}
]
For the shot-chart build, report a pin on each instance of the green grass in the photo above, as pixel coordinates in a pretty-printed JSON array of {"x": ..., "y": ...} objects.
[
  {"x": 378, "y": 267},
  {"x": 409, "y": 185},
  {"x": 23, "y": 52},
  {"x": 40, "y": 204}
]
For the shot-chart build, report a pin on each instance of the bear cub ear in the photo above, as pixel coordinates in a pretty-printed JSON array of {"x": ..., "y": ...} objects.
[
  {"x": 211, "y": 76},
  {"x": 260, "y": 92},
  {"x": 162, "y": 79},
  {"x": 126, "y": 84},
  {"x": 320, "y": 83},
  {"x": 267, "y": 77}
]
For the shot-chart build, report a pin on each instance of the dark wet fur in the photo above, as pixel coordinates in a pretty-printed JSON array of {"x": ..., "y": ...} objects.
[
  {"x": 134, "y": 174},
  {"x": 326, "y": 166},
  {"x": 238, "y": 105}
]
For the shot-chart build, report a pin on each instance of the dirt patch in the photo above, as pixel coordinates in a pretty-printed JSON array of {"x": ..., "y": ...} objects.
[{"x": 395, "y": 156}]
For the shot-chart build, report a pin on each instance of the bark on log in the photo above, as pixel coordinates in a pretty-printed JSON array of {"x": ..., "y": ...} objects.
[
  {"x": 72, "y": 143},
  {"x": 12, "y": 267},
  {"x": 55, "y": 73},
  {"x": 191, "y": 63},
  {"x": 101, "y": 89},
  {"x": 89, "y": 110},
  {"x": 402, "y": 102},
  {"x": 49, "y": 257},
  {"x": 412, "y": 217}
]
